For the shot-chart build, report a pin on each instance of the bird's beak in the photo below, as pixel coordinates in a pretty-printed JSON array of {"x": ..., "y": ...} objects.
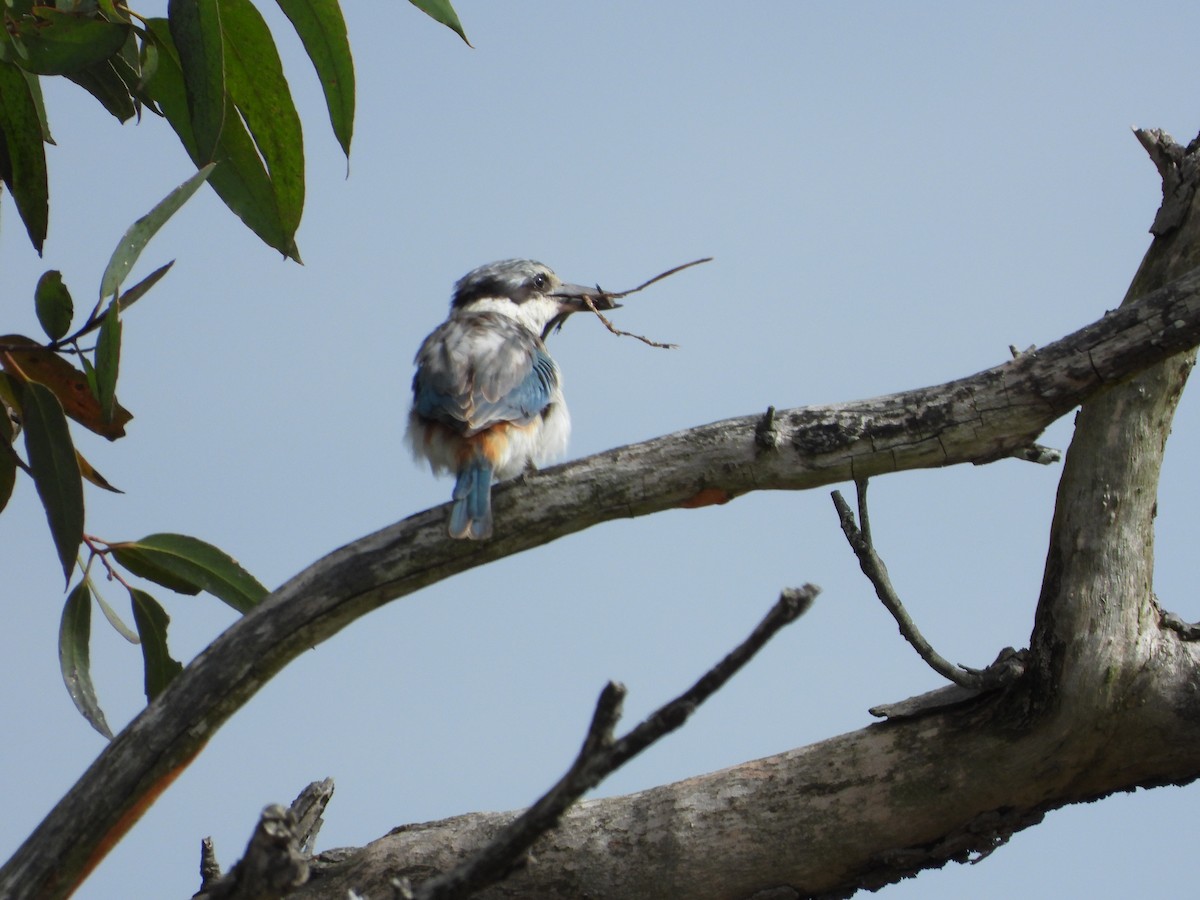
[{"x": 572, "y": 298}]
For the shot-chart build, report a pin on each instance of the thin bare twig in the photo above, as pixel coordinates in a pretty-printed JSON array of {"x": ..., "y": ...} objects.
[
  {"x": 619, "y": 333},
  {"x": 601, "y": 754},
  {"x": 610, "y": 296},
  {"x": 645, "y": 284},
  {"x": 97, "y": 552},
  {"x": 1007, "y": 667}
]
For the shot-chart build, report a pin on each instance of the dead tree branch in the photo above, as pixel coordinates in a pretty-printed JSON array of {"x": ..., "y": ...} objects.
[
  {"x": 276, "y": 860},
  {"x": 602, "y": 754},
  {"x": 1004, "y": 670},
  {"x": 991, "y": 415}
]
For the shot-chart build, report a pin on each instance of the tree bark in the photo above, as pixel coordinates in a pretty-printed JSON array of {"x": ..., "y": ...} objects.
[
  {"x": 856, "y": 811},
  {"x": 1109, "y": 702}
]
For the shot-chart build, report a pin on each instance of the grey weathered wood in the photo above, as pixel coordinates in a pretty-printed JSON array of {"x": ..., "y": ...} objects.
[
  {"x": 992, "y": 414},
  {"x": 856, "y": 811},
  {"x": 1110, "y": 703}
]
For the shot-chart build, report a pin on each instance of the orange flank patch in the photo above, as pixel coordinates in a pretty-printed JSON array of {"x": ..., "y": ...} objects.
[
  {"x": 491, "y": 443},
  {"x": 707, "y": 497}
]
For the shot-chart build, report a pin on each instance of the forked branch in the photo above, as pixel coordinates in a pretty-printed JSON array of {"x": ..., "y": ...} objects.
[
  {"x": 1007, "y": 667},
  {"x": 602, "y": 754},
  {"x": 982, "y": 417}
]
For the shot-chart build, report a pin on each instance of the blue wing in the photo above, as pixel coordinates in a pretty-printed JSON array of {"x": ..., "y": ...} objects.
[{"x": 480, "y": 369}]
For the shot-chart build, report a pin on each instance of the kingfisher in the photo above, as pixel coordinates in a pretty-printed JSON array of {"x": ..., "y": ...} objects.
[{"x": 487, "y": 397}]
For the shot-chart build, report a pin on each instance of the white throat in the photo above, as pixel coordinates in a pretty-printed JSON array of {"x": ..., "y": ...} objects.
[{"x": 533, "y": 313}]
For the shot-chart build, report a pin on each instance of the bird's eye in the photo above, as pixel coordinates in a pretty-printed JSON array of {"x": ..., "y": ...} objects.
[{"x": 540, "y": 281}]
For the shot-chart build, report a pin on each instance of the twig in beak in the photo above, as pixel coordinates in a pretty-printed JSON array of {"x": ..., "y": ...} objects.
[
  {"x": 646, "y": 284},
  {"x": 610, "y": 296},
  {"x": 617, "y": 331}
]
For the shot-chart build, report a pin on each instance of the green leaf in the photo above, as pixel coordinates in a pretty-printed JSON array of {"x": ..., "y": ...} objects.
[
  {"x": 125, "y": 300},
  {"x": 74, "y": 659},
  {"x": 135, "y": 293},
  {"x": 189, "y": 565},
  {"x": 35, "y": 91},
  {"x": 134, "y": 241},
  {"x": 152, "y": 621},
  {"x": 61, "y": 43},
  {"x": 147, "y": 565},
  {"x": 322, "y": 30},
  {"x": 55, "y": 471},
  {"x": 148, "y": 65},
  {"x": 254, "y": 79},
  {"x": 241, "y": 179},
  {"x": 442, "y": 11},
  {"x": 10, "y": 411},
  {"x": 89, "y": 372},
  {"x": 108, "y": 361},
  {"x": 22, "y": 156},
  {"x": 53, "y": 304},
  {"x": 8, "y": 456},
  {"x": 114, "y": 620},
  {"x": 108, "y": 8},
  {"x": 110, "y": 82},
  {"x": 8, "y": 474},
  {"x": 196, "y": 30},
  {"x": 10, "y": 399}
]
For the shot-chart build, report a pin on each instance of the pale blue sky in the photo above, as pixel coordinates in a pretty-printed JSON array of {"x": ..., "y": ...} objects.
[{"x": 893, "y": 194}]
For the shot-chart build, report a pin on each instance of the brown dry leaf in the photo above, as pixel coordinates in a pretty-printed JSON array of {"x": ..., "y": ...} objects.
[
  {"x": 88, "y": 472},
  {"x": 26, "y": 359}
]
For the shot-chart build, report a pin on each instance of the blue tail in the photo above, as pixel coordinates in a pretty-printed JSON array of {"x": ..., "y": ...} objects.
[{"x": 472, "y": 514}]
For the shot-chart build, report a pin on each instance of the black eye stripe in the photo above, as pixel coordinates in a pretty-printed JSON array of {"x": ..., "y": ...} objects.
[{"x": 517, "y": 287}]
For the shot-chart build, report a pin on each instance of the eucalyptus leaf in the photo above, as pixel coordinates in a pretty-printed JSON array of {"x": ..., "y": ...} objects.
[
  {"x": 106, "y": 82},
  {"x": 196, "y": 29},
  {"x": 322, "y": 30},
  {"x": 22, "y": 154},
  {"x": 62, "y": 43},
  {"x": 89, "y": 473},
  {"x": 118, "y": 624},
  {"x": 8, "y": 461},
  {"x": 35, "y": 91},
  {"x": 108, "y": 361},
  {"x": 52, "y": 302},
  {"x": 76, "y": 391},
  {"x": 134, "y": 241},
  {"x": 55, "y": 471},
  {"x": 152, "y": 621},
  {"x": 189, "y": 565},
  {"x": 442, "y": 11},
  {"x": 259, "y": 92},
  {"x": 74, "y": 657},
  {"x": 135, "y": 293},
  {"x": 241, "y": 180}
]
